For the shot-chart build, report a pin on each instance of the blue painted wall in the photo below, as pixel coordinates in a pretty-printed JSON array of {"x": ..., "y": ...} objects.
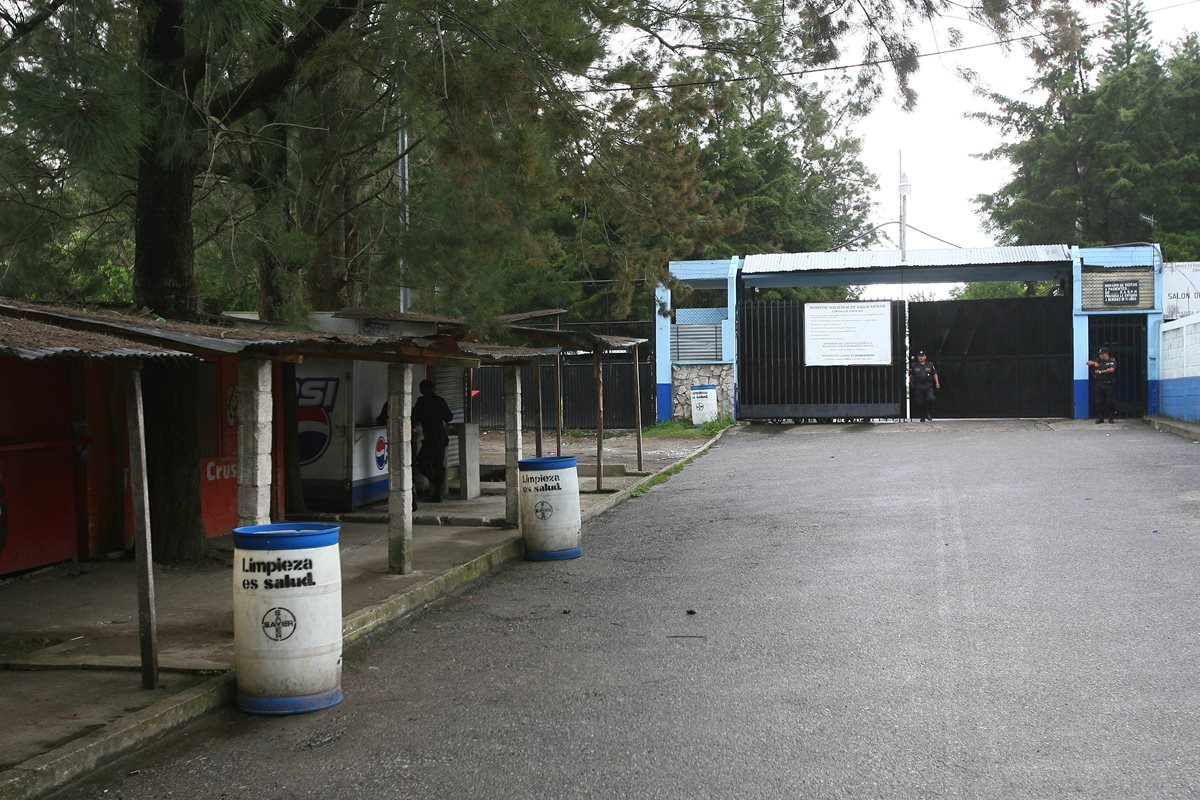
[{"x": 1179, "y": 398}]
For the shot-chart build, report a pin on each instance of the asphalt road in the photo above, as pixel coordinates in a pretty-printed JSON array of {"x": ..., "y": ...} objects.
[{"x": 967, "y": 610}]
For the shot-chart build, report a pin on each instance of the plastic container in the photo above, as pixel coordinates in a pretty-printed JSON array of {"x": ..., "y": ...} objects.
[
  {"x": 287, "y": 617},
  {"x": 550, "y": 519}
]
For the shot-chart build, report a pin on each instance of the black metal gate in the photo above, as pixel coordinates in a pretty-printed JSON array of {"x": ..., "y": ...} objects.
[
  {"x": 998, "y": 358},
  {"x": 1125, "y": 337},
  {"x": 774, "y": 383},
  {"x": 579, "y": 395}
]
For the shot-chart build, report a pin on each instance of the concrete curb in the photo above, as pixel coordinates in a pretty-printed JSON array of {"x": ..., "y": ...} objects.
[
  {"x": 366, "y": 621},
  {"x": 53, "y": 770},
  {"x": 1188, "y": 430},
  {"x": 128, "y": 733},
  {"x": 71, "y": 761},
  {"x": 628, "y": 491}
]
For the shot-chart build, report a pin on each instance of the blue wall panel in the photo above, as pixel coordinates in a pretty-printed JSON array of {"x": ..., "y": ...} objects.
[{"x": 1179, "y": 398}]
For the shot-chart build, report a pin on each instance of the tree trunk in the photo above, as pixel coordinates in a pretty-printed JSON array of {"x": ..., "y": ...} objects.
[
  {"x": 173, "y": 463},
  {"x": 165, "y": 277},
  {"x": 163, "y": 266},
  {"x": 270, "y": 163}
]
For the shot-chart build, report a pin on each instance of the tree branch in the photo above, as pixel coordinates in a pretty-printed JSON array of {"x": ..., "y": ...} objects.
[
  {"x": 27, "y": 26},
  {"x": 268, "y": 83}
]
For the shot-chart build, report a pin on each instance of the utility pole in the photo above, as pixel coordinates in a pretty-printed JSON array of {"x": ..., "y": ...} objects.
[
  {"x": 905, "y": 191},
  {"x": 402, "y": 179}
]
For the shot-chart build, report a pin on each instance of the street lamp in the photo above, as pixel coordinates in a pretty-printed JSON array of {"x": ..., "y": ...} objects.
[{"x": 905, "y": 191}]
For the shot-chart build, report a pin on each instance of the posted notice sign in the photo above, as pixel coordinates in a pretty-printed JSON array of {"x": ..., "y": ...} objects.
[{"x": 847, "y": 334}]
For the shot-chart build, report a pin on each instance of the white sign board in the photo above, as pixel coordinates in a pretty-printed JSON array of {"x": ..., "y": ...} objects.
[
  {"x": 847, "y": 334},
  {"x": 1181, "y": 289}
]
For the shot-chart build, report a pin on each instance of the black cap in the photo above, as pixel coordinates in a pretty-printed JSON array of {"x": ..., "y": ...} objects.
[
  {"x": 920, "y": 352},
  {"x": 1102, "y": 350}
]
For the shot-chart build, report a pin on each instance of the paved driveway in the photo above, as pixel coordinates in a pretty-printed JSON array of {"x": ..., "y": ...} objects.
[{"x": 958, "y": 610}]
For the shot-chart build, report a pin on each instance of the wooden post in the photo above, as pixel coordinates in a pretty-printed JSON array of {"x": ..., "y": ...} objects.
[
  {"x": 637, "y": 404},
  {"x": 400, "y": 464},
  {"x": 136, "y": 431},
  {"x": 468, "y": 387},
  {"x": 597, "y": 369},
  {"x": 512, "y": 444},
  {"x": 537, "y": 406}
]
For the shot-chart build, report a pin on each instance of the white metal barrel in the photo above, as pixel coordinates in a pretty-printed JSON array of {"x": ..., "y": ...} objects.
[
  {"x": 287, "y": 617},
  {"x": 704, "y": 404},
  {"x": 550, "y": 520}
]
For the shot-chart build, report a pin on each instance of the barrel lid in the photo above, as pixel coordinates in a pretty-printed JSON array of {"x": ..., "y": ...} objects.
[
  {"x": 703, "y": 387},
  {"x": 546, "y": 463},
  {"x": 286, "y": 536}
]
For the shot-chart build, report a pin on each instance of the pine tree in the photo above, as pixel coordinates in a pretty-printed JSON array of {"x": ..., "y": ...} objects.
[{"x": 1127, "y": 34}]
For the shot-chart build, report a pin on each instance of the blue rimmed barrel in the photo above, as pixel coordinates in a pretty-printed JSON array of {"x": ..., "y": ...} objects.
[
  {"x": 550, "y": 520},
  {"x": 704, "y": 404},
  {"x": 287, "y": 617}
]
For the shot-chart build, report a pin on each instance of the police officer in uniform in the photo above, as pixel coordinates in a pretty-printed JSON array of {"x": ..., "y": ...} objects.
[
  {"x": 1104, "y": 375},
  {"x": 923, "y": 380}
]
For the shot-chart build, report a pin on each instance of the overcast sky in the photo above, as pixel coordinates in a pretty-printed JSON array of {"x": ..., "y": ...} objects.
[{"x": 937, "y": 143}]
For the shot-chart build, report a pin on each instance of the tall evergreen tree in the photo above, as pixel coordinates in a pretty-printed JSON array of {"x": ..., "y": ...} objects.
[
  {"x": 1105, "y": 151},
  {"x": 1127, "y": 35}
]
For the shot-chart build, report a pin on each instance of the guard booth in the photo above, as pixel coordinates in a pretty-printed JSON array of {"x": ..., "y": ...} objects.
[{"x": 1118, "y": 303}]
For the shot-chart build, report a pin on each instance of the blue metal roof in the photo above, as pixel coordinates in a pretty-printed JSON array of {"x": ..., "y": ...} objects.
[
  {"x": 885, "y": 259},
  {"x": 708, "y": 270},
  {"x": 1125, "y": 255}
]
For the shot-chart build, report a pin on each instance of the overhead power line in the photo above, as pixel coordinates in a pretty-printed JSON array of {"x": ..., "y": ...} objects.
[{"x": 837, "y": 67}]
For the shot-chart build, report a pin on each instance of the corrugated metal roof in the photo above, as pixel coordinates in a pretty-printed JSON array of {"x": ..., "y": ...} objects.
[
  {"x": 499, "y": 353},
  {"x": 712, "y": 269},
  {"x": 31, "y": 340},
  {"x": 524, "y": 315},
  {"x": 263, "y": 343},
  {"x": 577, "y": 340},
  {"x": 396, "y": 316},
  {"x": 881, "y": 259}
]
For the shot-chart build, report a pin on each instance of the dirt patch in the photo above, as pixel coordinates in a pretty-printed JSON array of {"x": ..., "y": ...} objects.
[{"x": 620, "y": 447}]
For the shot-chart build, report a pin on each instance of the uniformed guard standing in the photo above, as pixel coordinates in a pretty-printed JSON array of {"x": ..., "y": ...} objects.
[
  {"x": 923, "y": 380},
  {"x": 1104, "y": 375},
  {"x": 432, "y": 413}
]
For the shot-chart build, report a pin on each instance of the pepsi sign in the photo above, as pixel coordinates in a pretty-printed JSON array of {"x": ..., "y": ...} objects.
[
  {"x": 380, "y": 453},
  {"x": 316, "y": 398}
]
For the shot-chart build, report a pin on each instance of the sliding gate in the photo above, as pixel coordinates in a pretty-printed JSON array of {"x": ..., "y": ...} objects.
[
  {"x": 998, "y": 358},
  {"x": 774, "y": 383}
]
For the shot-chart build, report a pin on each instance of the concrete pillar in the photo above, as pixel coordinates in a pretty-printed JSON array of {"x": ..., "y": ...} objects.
[
  {"x": 400, "y": 464},
  {"x": 255, "y": 410},
  {"x": 662, "y": 353},
  {"x": 512, "y": 444},
  {"x": 468, "y": 460}
]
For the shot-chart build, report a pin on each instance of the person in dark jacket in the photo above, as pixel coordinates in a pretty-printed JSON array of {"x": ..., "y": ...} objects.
[
  {"x": 924, "y": 381},
  {"x": 1104, "y": 376},
  {"x": 432, "y": 414}
]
